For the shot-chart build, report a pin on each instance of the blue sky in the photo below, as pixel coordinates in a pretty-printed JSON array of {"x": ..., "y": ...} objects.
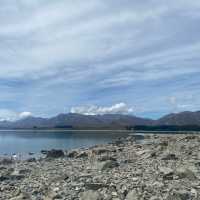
[{"x": 99, "y": 56}]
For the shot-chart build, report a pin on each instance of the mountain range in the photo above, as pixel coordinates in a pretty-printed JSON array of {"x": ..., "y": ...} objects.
[{"x": 107, "y": 121}]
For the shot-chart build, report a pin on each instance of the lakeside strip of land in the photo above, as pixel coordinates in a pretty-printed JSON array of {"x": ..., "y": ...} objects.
[
  {"x": 131, "y": 132},
  {"x": 67, "y": 130},
  {"x": 162, "y": 167}
]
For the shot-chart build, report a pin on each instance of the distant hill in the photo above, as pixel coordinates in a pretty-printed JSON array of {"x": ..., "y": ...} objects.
[
  {"x": 109, "y": 121},
  {"x": 180, "y": 119},
  {"x": 78, "y": 121}
]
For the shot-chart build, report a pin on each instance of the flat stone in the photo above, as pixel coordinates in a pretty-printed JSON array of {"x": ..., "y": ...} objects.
[
  {"x": 90, "y": 195},
  {"x": 95, "y": 186},
  {"x": 108, "y": 165},
  {"x": 99, "y": 151},
  {"x": 169, "y": 156},
  {"x": 183, "y": 172}
]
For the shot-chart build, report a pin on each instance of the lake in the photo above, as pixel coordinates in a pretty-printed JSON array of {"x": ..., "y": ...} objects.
[{"x": 23, "y": 142}]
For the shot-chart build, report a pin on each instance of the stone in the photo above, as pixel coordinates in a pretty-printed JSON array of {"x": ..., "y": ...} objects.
[
  {"x": 190, "y": 137},
  {"x": 3, "y": 178},
  {"x": 155, "y": 198},
  {"x": 22, "y": 196},
  {"x": 72, "y": 154},
  {"x": 132, "y": 195},
  {"x": 95, "y": 186},
  {"x": 55, "y": 153},
  {"x": 183, "y": 172},
  {"x": 108, "y": 165},
  {"x": 194, "y": 193},
  {"x": 31, "y": 160},
  {"x": 90, "y": 195},
  {"x": 44, "y": 152},
  {"x": 82, "y": 155},
  {"x": 6, "y": 161},
  {"x": 106, "y": 158},
  {"x": 169, "y": 156},
  {"x": 179, "y": 195},
  {"x": 99, "y": 151},
  {"x": 167, "y": 173}
]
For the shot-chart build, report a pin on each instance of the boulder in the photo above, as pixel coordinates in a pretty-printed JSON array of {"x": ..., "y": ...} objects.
[
  {"x": 90, "y": 195},
  {"x": 95, "y": 186},
  {"x": 6, "y": 161},
  {"x": 99, "y": 151},
  {"x": 44, "y": 152},
  {"x": 167, "y": 173},
  {"x": 169, "y": 156},
  {"x": 55, "y": 153},
  {"x": 17, "y": 175},
  {"x": 31, "y": 160},
  {"x": 108, "y": 165},
  {"x": 82, "y": 155},
  {"x": 72, "y": 154},
  {"x": 183, "y": 172}
]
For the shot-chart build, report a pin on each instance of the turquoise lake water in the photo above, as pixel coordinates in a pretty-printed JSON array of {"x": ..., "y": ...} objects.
[{"x": 24, "y": 142}]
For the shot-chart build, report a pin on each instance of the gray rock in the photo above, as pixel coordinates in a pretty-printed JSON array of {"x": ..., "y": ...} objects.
[
  {"x": 155, "y": 198},
  {"x": 167, "y": 173},
  {"x": 132, "y": 195},
  {"x": 106, "y": 158},
  {"x": 22, "y": 196},
  {"x": 183, "y": 172},
  {"x": 82, "y": 155},
  {"x": 72, "y": 154},
  {"x": 169, "y": 156},
  {"x": 90, "y": 195},
  {"x": 44, "y": 152},
  {"x": 31, "y": 160},
  {"x": 6, "y": 161},
  {"x": 54, "y": 153},
  {"x": 95, "y": 186},
  {"x": 108, "y": 165},
  {"x": 179, "y": 195},
  {"x": 99, "y": 151}
]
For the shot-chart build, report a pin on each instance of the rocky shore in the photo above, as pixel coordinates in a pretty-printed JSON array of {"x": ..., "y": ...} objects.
[{"x": 163, "y": 167}]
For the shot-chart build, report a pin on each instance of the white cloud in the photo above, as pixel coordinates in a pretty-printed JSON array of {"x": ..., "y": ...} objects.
[
  {"x": 9, "y": 115},
  {"x": 119, "y": 108},
  {"x": 173, "y": 100},
  {"x": 25, "y": 115}
]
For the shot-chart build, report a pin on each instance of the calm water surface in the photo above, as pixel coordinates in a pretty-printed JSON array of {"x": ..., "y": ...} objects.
[{"x": 23, "y": 142}]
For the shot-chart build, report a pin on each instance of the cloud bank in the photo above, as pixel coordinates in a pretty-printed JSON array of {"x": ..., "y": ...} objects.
[
  {"x": 8, "y": 115},
  {"x": 119, "y": 108}
]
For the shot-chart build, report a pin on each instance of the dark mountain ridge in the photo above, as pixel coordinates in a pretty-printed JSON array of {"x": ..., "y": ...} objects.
[{"x": 107, "y": 121}]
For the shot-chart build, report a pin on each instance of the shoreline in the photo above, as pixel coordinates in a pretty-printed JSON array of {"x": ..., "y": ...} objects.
[
  {"x": 162, "y": 167},
  {"x": 101, "y": 130}
]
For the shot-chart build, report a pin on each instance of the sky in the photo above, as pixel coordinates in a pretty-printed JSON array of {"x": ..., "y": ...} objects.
[{"x": 99, "y": 56}]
